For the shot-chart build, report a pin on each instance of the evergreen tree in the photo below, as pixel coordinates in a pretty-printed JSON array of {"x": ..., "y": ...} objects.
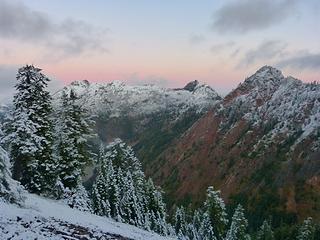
[
  {"x": 214, "y": 207},
  {"x": 10, "y": 190},
  {"x": 195, "y": 225},
  {"x": 78, "y": 198},
  {"x": 71, "y": 150},
  {"x": 30, "y": 131},
  {"x": 131, "y": 210},
  {"x": 206, "y": 230},
  {"x": 265, "y": 232},
  {"x": 180, "y": 222},
  {"x": 307, "y": 230},
  {"x": 238, "y": 226},
  {"x": 103, "y": 189},
  {"x": 121, "y": 191},
  {"x": 156, "y": 208}
]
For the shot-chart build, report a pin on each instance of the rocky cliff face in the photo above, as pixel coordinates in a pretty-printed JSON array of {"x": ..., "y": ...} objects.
[{"x": 260, "y": 146}]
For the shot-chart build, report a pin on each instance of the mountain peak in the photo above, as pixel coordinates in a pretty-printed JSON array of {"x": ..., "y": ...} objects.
[
  {"x": 265, "y": 74},
  {"x": 80, "y": 83},
  {"x": 263, "y": 82},
  {"x": 191, "y": 86}
]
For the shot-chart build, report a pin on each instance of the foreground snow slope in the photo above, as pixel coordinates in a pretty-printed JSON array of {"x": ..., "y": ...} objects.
[{"x": 41, "y": 218}]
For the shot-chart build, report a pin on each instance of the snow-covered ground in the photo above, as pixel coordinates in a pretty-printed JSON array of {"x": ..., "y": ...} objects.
[{"x": 42, "y": 218}]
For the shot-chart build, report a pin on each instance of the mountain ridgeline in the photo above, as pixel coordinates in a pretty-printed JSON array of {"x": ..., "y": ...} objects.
[{"x": 260, "y": 144}]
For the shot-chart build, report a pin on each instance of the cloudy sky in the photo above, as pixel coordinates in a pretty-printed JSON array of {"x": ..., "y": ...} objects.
[{"x": 167, "y": 42}]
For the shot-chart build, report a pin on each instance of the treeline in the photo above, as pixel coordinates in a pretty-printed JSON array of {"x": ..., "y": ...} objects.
[
  {"x": 211, "y": 221},
  {"x": 49, "y": 150}
]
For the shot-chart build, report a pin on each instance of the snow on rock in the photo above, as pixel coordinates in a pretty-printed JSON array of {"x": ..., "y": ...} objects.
[
  {"x": 41, "y": 218},
  {"x": 118, "y": 99},
  {"x": 287, "y": 105}
]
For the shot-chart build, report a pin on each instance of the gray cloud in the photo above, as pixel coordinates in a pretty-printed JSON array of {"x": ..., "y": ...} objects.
[
  {"x": 7, "y": 82},
  {"x": 247, "y": 15},
  {"x": 195, "y": 39},
  {"x": 135, "y": 79},
  {"x": 69, "y": 37},
  {"x": 306, "y": 61},
  {"x": 217, "y": 48},
  {"x": 265, "y": 51}
]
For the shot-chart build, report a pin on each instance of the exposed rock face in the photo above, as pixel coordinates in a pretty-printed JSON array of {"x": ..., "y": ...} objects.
[
  {"x": 260, "y": 146},
  {"x": 191, "y": 86}
]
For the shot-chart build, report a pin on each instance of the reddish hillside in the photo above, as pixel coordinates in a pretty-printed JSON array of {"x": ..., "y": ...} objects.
[{"x": 260, "y": 146}]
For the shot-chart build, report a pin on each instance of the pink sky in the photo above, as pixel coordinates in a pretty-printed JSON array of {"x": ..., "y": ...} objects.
[{"x": 167, "y": 43}]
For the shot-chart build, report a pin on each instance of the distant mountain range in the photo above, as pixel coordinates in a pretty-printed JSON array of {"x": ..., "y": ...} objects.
[{"x": 260, "y": 144}]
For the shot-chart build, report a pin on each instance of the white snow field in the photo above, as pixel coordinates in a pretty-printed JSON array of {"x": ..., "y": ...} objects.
[{"x": 41, "y": 218}]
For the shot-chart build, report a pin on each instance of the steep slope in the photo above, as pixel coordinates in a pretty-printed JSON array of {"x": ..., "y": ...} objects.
[
  {"x": 149, "y": 117},
  {"x": 47, "y": 219},
  {"x": 260, "y": 146}
]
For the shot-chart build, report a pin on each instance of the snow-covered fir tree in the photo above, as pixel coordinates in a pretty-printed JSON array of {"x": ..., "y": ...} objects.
[
  {"x": 121, "y": 191},
  {"x": 156, "y": 208},
  {"x": 72, "y": 130},
  {"x": 78, "y": 198},
  {"x": 206, "y": 230},
  {"x": 265, "y": 232},
  {"x": 214, "y": 207},
  {"x": 239, "y": 224},
  {"x": 103, "y": 189},
  {"x": 307, "y": 230},
  {"x": 180, "y": 223},
  {"x": 195, "y": 225},
  {"x": 29, "y": 132},
  {"x": 130, "y": 207},
  {"x": 10, "y": 190}
]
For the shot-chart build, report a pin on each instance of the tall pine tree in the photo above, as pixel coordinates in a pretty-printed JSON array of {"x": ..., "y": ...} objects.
[
  {"x": 307, "y": 230},
  {"x": 156, "y": 208},
  {"x": 102, "y": 188},
  {"x": 180, "y": 222},
  {"x": 265, "y": 232},
  {"x": 30, "y": 131},
  {"x": 72, "y": 130},
  {"x": 214, "y": 207},
  {"x": 239, "y": 224}
]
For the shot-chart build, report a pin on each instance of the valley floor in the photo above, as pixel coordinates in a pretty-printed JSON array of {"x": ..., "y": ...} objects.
[{"x": 41, "y": 218}]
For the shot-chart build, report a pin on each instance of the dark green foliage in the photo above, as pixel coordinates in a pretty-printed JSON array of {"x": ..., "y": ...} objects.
[
  {"x": 158, "y": 135},
  {"x": 306, "y": 230},
  {"x": 265, "y": 232},
  {"x": 30, "y": 132},
  {"x": 215, "y": 208},
  {"x": 238, "y": 227}
]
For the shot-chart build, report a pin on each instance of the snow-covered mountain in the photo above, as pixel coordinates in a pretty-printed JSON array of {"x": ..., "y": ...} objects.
[
  {"x": 118, "y": 99},
  {"x": 129, "y": 112},
  {"x": 267, "y": 97},
  {"x": 262, "y": 141}
]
